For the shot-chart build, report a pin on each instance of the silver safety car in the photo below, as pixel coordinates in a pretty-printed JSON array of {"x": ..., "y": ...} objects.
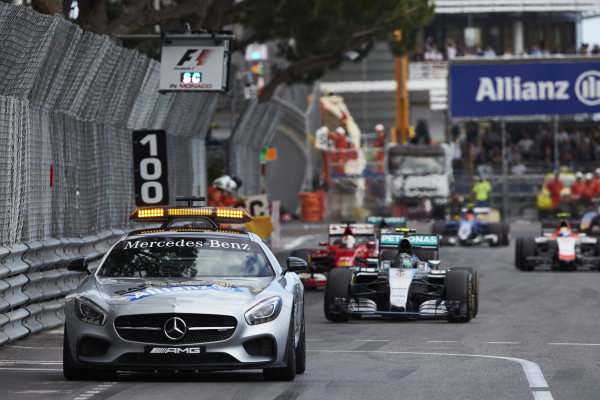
[{"x": 187, "y": 297}]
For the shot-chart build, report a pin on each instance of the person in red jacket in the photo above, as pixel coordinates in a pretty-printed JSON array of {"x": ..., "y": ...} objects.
[
  {"x": 578, "y": 190},
  {"x": 220, "y": 192},
  {"x": 590, "y": 189},
  {"x": 555, "y": 187},
  {"x": 595, "y": 183}
]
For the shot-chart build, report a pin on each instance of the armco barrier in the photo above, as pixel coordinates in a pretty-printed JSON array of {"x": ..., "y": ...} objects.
[{"x": 34, "y": 281}]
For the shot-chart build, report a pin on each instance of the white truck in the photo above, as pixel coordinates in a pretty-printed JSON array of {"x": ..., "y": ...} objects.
[{"x": 418, "y": 172}]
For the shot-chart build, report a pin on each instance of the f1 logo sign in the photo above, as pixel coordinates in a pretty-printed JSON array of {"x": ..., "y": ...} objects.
[{"x": 199, "y": 60}]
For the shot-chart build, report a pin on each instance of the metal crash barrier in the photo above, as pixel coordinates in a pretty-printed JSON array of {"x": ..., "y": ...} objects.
[{"x": 34, "y": 281}]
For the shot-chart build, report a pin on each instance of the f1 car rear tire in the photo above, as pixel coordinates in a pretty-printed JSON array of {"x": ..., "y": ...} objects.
[
  {"x": 475, "y": 291},
  {"x": 528, "y": 247},
  {"x": 496, "y": 229},
  {"x": 338, "y": 286},
  {"x": 519, "y": 253},
  {"x": 459, "y": 288},
  {"x": 505, "y": 234},
  {"x": 287, "y": 373},
  {"x": 438, "y": 227}
]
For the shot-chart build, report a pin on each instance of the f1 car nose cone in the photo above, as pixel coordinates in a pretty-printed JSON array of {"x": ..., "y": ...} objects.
[{"x": 175, "y": 328}]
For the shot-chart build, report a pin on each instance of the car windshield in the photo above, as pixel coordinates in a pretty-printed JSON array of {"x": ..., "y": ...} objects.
[
  {"x": 416, "y": 165},
  {"x": 177, "y": 257}
]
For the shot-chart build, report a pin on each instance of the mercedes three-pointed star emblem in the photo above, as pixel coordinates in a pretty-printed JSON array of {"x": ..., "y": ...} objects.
[{"x": 175, "y": 328}]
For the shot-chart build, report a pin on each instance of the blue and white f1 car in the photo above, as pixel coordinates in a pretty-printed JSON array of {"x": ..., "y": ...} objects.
[
  {"x": 390, "y": 288},
  {"x": 472, "y": 228}
]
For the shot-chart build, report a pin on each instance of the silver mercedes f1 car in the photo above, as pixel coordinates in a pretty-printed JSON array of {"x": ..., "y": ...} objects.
[{"x": 187, "y": 298}]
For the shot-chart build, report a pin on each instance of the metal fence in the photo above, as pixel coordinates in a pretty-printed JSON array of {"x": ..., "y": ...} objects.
[{"x": 69, "y": 100}]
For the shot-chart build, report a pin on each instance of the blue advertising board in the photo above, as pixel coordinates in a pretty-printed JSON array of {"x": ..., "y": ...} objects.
[{"x": 479, "y": 88}]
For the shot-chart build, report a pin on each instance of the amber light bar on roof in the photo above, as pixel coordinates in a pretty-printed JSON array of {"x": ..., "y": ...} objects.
[{"x": 217, "y": 214}]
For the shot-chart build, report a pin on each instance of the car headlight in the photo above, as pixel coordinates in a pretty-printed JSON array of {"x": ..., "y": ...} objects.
[
  {"x": 265, "y": 311},
  {"x": 90, "y": 312}
]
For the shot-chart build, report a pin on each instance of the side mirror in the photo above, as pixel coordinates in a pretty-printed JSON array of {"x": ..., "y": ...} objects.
[
  {"x": 79, "y": 265},
  {"x": 324, "y": 244},
  {"x": 295, "y": 264},
  {"x": 435, "y": 264}
]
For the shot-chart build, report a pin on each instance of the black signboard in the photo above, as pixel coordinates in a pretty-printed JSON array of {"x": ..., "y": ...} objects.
[{"x": 150, "y": 168}]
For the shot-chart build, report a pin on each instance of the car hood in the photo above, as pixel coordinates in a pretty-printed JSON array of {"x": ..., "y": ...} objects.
[{"x": 161, "y": 291}]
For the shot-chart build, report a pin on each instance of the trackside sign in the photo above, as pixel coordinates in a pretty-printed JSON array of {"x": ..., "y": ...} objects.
[{"x": 524, "y": 87}]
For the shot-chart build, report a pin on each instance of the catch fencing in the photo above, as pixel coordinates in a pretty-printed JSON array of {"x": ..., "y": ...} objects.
[{"x": 69, "y": 101}]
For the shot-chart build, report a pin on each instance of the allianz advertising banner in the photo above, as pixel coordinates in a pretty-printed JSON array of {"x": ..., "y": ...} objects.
[{"x": 482, "y": 88}]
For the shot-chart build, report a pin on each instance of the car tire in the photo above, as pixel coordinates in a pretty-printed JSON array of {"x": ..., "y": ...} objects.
[
  {"x": 528, "y": 247},
  {"x": 438, "y": 227},
  {"x": 459, "y": 287},
  {"x": 519, "y": 253},
  {"x": 475, "y": 288},
  {"x": 71, "y": 372},
  {"x": 496, "y": 229},
  {"x": 338, "y": 285},
  {"x": 287, "y": 373},
  {"x": 301, "y": 350},
  {"x": 505, "y": 234}
]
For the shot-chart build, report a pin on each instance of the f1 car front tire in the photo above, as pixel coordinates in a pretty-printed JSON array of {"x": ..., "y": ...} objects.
[
  {"x": 287, "y": 373},
  {"x": 338, "y": 285},
  {"x": 475, "y": 291},
  {"x": 527, "y": 249},
  {"x": 459, "y": 294}
]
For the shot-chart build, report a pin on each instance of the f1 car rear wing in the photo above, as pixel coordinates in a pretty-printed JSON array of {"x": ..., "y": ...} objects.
[
  {"x": 391, "y": 222},
  {"x": 391, "y": 240},
  {"x": 357, "y": 229}
]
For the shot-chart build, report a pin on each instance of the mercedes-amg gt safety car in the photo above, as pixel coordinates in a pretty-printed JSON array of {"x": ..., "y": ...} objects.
[
  {"x": 413, "y": 288},
  {"x": 561, "y": 249},
  {"x": 472, "y": 228},
  {"x": 189, "y": 295}
]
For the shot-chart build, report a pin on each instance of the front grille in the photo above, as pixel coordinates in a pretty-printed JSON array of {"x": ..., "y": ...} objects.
[{"x": 148, "y": 328}]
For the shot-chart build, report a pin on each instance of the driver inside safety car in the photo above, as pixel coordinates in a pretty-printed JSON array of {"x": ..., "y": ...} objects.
[{"x": 405, "y": 258}]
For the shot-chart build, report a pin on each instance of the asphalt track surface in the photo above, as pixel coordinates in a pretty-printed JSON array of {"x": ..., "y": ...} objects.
[{"x": 536, "y": 337}]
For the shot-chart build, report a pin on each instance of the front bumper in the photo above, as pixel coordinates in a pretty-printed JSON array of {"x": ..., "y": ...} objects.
[{"x": 250, "y": 346}]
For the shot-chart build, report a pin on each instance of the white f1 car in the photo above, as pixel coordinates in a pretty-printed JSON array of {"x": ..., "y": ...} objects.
[
  {"x": 562, "y": 249},
  {"x": 413, "y": 288}
]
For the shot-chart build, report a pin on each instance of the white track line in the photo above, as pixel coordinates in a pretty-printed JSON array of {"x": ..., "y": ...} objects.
[
  {"x": 532, "y": 371},
  {"x": 574, "y": 344},
  {"x": 9, "y": 346},
  {"x": 503, "y": 342},
  {"x": 542, "y": 395},
  {"x": 372, "y": 340},
  {"x": 298, "y": 241},
  {"x": 94, "y": 391},
  {"x": 441, "y": 341},
  {"x": 30, "y": 369}
]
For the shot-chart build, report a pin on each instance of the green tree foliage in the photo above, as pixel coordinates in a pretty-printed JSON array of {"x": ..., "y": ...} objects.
[{"x": 311, "y": 35}]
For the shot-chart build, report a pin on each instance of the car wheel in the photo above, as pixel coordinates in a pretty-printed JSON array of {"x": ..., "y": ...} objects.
[
  {"x": 70, "y": 371},
  {"x": 496, "y": 229},
  {"x": 301, "y": 352},
  {"x": 505, "y": 234},
  {"x": 287, "y": 373},
  {"x": 475, "y": 288},
  {"x": 459, "y": 290},
  {"x": 528, "y": 247},
  {"x": 338, "y": 285},
  {"x": 519, "y": 253}
]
